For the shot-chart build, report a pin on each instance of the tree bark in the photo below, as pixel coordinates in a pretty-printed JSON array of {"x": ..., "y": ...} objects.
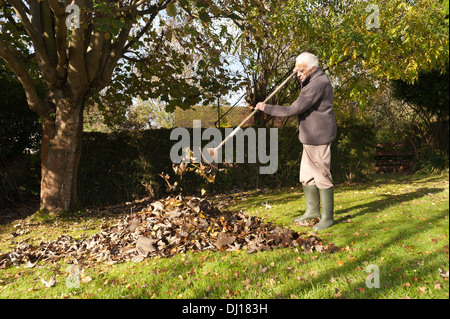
[{"x": 61, "y": 150}]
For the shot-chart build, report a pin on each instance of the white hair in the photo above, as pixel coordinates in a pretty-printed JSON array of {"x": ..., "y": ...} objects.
[{"x": 310, "y": 59}]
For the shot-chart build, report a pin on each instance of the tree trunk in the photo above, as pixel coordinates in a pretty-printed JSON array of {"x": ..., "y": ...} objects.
[{"x": 61, "y": 150}]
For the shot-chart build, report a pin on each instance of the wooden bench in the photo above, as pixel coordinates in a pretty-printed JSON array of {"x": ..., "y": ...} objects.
[{"x": 393, "y": 158}]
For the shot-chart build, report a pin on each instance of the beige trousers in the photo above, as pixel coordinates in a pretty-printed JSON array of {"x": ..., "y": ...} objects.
[{"x": 315, "y": 166}]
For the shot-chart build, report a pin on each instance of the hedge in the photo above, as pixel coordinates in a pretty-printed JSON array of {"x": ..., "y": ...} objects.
[{"x": 123, "y": 166}]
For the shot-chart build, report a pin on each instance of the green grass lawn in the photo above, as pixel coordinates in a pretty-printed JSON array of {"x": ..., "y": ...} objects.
[{"x": 396, "y": 224}]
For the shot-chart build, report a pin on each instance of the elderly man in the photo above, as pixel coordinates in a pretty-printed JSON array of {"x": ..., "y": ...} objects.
[{"x": 317, "y": 130}]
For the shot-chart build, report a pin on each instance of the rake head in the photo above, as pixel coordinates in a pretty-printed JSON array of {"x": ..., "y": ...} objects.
[{"x": 210, "y": 157}]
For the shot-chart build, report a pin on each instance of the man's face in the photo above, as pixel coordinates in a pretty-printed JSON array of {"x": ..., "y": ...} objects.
[{"x": 302, "y": 70}]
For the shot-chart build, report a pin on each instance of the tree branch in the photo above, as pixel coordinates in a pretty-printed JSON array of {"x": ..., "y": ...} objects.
[
  {"x": 48, "y": 31},
  {"x": 131, "y": 7},
  {"x": 76, "y": 73},
  {"x": 116, "y": 51},
  {"x": 57, "y": 7},
  {"x": 153, "y": 10},
  {"x": 35, "y": 13},
  {"x": 156, "y": 7},
  {"x": 94, "y": 54},
  {"x": 141, "y": 33},
  {"x": 61, "y": 35},
  {"x": 45, "y": 64},
  {"x": 35, "y": 103},
  {"x": 19, "y": 8}
]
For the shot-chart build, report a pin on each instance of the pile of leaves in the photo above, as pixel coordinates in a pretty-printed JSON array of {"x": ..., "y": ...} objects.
[{"x": 164, "y": 228}]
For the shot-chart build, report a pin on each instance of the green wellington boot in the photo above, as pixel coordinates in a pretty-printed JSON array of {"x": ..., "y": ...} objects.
[
  {"x": 326, "y": 216},
  {"x": 312, "y": 200}
]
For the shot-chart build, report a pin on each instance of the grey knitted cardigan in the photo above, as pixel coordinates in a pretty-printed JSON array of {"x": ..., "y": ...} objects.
[{"x": 314, "y": 108}]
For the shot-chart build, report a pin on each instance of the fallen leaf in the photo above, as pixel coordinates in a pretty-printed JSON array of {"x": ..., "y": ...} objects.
[
  {"x": 49, "y": 283},
  {"x": 29, "y": 264},
  {"x": 337, "y": 293},
  {"x": 263, "y": 269},
  {"x": 443, "y": 273},
  {"x": 134, "y": 224},
  {"x": 85, "y": 280},
  {"x": 137, "y": 258},
  {"x": 144, "y": 245},
  {"x": 224, "y": 239}
]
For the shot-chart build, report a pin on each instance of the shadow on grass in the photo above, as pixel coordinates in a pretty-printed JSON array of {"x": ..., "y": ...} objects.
[
  {"x": 386, "y": 201},
  {"x": 393, "y": 269}
]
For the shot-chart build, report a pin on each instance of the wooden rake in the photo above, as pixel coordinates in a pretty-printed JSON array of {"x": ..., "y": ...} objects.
[{"x": 211, "y": 155}]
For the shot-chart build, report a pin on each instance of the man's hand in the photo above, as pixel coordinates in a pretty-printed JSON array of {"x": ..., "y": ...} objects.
[{"x": 260, "y": 106}]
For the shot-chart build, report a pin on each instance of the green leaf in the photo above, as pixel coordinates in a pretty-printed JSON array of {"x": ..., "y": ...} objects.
[
  {"x": 171, "y": 9},
  {"x": 204, "y": 16}
]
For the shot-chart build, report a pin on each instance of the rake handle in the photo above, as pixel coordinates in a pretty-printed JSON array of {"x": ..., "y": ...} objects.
[{"x": 254, "y": 112}]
